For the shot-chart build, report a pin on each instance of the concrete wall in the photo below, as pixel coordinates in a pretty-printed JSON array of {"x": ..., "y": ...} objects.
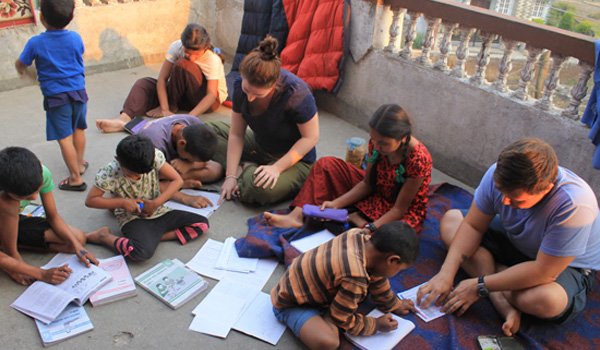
[
  {"x": 463, "y": 126},
  {"x": 119, "y": 35}
]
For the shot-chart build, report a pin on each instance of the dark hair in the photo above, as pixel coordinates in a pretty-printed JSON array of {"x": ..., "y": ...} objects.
[
  {"x": 261, "y": 67},
  {"x": 529, "y": 164},
  {"x": 20, "y": 171},
  {"x": 195, "y": 37},
  {"x": 136, "y": 153},
  {"x": 57, "y": 13},
  {"x": 200, "y": 141},
  {"x": 391, "y": 120},
  {"x": 397, "y": 237}
]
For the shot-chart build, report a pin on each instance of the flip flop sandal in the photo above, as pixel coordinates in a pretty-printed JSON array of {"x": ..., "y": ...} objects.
[
  {"x": 86, "y": 165},
  {"x": 66, "y": 186}
]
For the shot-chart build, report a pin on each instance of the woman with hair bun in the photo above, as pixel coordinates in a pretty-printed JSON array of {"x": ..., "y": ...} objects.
[
  {"x": 279, "y": 149},
  {"x": 192, "y": 78},
  {"x": 394, "y": 186}
]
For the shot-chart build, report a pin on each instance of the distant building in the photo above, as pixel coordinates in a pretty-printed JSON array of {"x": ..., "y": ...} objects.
[{"x": 527, "y": 9}]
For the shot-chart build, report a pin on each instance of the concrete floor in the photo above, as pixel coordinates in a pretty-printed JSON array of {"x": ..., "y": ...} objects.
[{"x": 142, "y": 322}]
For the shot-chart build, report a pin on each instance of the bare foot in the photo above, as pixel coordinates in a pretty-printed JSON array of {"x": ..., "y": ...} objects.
[
  {"x": 110, "y": 125},
  {"x": 513, "y": 323},
  {"x": 285, "y": 221},
  {"x": 190, "y": 183},
  {"x": 194, "y": 201},
  {"x": 100, "y": 236}
]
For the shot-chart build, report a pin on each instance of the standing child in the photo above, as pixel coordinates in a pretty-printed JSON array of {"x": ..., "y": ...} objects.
[
  {"x": 132, "y": 180},
  {"x": 22, "y": 177},
  {"x": 321, "y": 290},
  {"x": 58, "y": 56}
]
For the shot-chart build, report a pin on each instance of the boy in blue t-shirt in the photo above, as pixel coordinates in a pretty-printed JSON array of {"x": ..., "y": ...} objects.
[{"x": 58, "y": 56}]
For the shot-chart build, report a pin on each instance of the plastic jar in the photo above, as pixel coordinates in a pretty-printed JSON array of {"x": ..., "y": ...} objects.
[{"x": 356, "y": 149}]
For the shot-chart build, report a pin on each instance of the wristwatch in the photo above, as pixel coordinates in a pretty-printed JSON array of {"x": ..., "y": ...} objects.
[
  {"x": 371, "y": 227},
  {"x": 482, "y": 290}
]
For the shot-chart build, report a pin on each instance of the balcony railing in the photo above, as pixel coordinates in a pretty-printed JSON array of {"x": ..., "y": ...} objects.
[{"x": 447, "y": 19}]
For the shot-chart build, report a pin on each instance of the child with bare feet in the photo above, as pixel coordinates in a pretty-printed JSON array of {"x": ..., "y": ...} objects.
[
  {"x": 132, "y": 180},
  {"x": 393, "y": 187},
  {"x": 22, "y": 177},
  {"x": 530, "y": 241},
  {"x": 320, "y": 292},
  {"x": 188, "y": 145},
  {"x": 191, "y": 78},
  {"x": 62, "y": 81}
]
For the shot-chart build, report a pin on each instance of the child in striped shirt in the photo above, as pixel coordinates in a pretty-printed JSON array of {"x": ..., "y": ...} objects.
[{"x": 322, "y": 289}]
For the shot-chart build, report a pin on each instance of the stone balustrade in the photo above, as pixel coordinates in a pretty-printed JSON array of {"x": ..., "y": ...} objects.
[{"x": 447, "y": 19}]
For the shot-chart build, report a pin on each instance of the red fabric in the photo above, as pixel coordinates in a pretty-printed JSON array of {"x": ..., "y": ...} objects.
[
  {"x": 328, "y": 179},
  {"x": 314, "y": 46},
  {"x": 331, "y": 177}
]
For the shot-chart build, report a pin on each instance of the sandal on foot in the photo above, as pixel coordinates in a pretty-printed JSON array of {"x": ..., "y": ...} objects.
[
  {"x": 66, "y": 186},
  {"x": 86, "y": 165}
]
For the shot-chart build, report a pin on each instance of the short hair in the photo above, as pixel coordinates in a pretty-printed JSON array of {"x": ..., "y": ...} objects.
[
  {"x": 200, "y": 141},
  {"x": 262, "y": 66},
  {"x": 136, "y": 153},
  {"x": 58, "y": 13},
  {"x": 195, "y": 37},
  {"x": 529, "y": 164},
  {"x": 397, "y": 237},
  {"x": 20, "y": 171}
]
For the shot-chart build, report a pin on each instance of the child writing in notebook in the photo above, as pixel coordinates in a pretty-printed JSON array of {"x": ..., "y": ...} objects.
[
  {"x": 321, "y": 290},
  {"x": 188, "y": 145},
  {"x": 132, "y": 180},
  {"x": 22, "y": 178},
  {"x": 58, "y": 57}
]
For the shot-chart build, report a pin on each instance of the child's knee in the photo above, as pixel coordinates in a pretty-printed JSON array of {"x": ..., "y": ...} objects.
[{"x": 132, "y": 249}]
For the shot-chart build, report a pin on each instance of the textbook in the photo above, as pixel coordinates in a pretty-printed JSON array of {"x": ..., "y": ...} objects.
[
  {"x": 120, "y": 287},
  {"x": 171, "y": 282},
  {"x": 44, "y": 301},
  {"x": 135, "y": 125},
  {"x": 71, "y": 322},
  {"x": 381, "y": 340}
]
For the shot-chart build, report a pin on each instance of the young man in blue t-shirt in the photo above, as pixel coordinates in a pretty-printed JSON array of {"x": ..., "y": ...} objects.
[
  {"x": 58, "y": 56},
  {"x": 531, "y": 241}
]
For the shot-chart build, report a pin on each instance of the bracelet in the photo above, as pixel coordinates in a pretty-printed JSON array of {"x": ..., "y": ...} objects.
[{"x": 231, "y": 177}]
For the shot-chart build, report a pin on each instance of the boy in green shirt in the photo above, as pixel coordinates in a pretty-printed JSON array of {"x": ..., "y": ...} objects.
[{"x": 22, "y": 177}]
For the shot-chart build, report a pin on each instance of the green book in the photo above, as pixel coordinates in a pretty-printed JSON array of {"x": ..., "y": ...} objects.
[{"x": 172, "y": 283}]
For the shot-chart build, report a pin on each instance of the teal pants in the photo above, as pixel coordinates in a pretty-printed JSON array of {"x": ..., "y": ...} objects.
[{"x": 288, "y": 184}]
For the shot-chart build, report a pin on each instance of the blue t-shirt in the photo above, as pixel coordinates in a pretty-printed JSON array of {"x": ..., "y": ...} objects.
[
  {"x": 159, "y": 131},
  {"x": 566, "y": 222},
  {"x": 276, "y": 130},
  {"x": 58, "y": 56}
]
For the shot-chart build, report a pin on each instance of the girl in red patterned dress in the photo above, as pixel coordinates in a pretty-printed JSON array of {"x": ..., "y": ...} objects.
[{"x": 393, "y": 187}]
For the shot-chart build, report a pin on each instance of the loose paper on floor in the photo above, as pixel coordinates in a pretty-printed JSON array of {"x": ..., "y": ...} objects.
[{"x": 426, "y": 314}]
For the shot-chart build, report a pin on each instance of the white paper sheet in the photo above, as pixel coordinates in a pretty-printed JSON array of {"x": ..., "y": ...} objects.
[
  {"x": 231, "y": 261},
  {"x": 222, "y": 307},
  {"x": 205, "y": 260},
  {"x": 310, "y": 242},
  {"x": 259, "y": 321},
  {"x": 381, "y": 340},
  {"x": 428, "y": 314},
  {"x": 206, "y": 212}
]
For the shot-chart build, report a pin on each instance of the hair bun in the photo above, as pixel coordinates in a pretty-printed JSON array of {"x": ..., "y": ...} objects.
[{"x": 268, "y": 48}]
